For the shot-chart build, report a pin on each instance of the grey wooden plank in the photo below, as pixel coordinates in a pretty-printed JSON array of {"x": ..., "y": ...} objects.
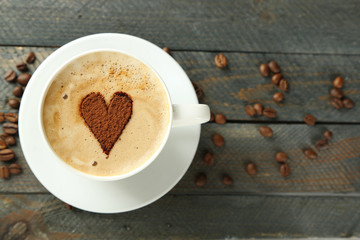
[
  {"x": 335, "y": 171},
  {"x": 228, "y": 91},
  {"x": 263, "y": 26},
  {"x": 188, "y": 217}
]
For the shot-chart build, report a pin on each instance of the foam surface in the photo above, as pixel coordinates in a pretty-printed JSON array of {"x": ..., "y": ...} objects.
[{"x": 107, "y": 73}]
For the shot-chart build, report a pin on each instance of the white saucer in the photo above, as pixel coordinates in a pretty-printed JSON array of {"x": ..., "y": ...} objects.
[{"x": 122, "y": 195}]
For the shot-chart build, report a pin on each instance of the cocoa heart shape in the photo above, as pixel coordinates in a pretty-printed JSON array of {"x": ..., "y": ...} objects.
[{"x": 106, "y": 122}]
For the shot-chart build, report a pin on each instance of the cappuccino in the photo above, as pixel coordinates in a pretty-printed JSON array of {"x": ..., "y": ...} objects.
[{"x": 106, "y": 113}]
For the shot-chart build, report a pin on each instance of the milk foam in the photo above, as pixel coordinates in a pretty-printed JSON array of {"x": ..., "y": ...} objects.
[{"x": 107, "y": 73}]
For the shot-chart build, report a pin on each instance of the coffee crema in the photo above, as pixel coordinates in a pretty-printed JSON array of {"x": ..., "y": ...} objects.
[{"x": 105, "y": 73}]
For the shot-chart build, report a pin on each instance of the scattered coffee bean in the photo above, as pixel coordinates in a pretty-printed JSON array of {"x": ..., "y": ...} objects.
[
  {"x": 4, "y": 172},
  {"x": 251, "y": 168},
  {"x": 218, "y": 140},
  {"x": 258, "y": 108},
  {"x": 14, "y": 103},
  {"x": 284, "y": 170},
  {"x": 266, "y": 131},
  {"x": 15, "y": 168},
  {"x": 10, "y": 76},
  {"x": 209, "y": 159},
  {"x": 10, "y": 128},
  {"x": 8, "y": 139},
  {"x": 220, "y": 119},
  {"x": 278, "y": 97},
  {"x": 2, "y": 116},
  {"x": 30, "y": 58},
  {"x": 198, "y": 90},
  {"x": 24, "y": 78},
  {"x": 2, "y": 144},
  {"x": 309, "y": 119},
  {"x": 212, "y": 117},
  {"x": 281, "y": 157},
  {"x": 338, "y": 82},
  {"x": 93, "y": 163},
  {"x": 264, "y": 70},
  {"x": 69, "y": 207},
  {"x": 21, "y": 66},
  {"x": 284, "y": 85},
  {"x": 348, "y": 103},
  {"x": 220, "y": 60},
  {"x": 274, "y": 67},
  {"x": 322, "y": 144},
  {"x": 336, "y": 92},
  {"x": 269, "y": 113},
  {"x": 227, "y": 180},
  {"x": 328, "y": 134},
  {"x": 276, "y": 78},
  {"x": 7, "y": 154},
  {"x": 311, "y": 154},
  {"x": 337, "y": 103},
  {"x": 12, "y": 117},
  {"x": 250, "y": 110},
  {"x": 200, "y": 180},
  {"x": 18, "y": 91},
  {"x": 166, "y": 49}
]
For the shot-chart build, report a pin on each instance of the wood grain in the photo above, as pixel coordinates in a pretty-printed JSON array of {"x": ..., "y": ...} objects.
[
  {"x": 229, "y": 90},
  {"x": 263, "y": 26},
  {"x": 335, "y": 171},
  {"x": 187, "y": 217}
]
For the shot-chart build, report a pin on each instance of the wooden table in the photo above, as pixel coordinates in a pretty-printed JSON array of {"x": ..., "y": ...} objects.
[{"x": 313, "y": 41}]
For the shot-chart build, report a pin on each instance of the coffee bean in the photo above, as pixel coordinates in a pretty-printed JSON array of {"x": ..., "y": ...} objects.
[
  {"x": 284, "y": 170},
  {"x": 21, "y": 66},
  {"x": 250, "y": 110},
  {"x": 266, "y": 131},
  {"x": 338, "y": 82},
  {"x": 220, "y": 119},
  {"x": 10, "y": 76},
  {"x": 264, "y": 70},
  {"x": 227, "y": 180},
  {"x": 12, "y": 117},
  {"x": 281, "y": 157},
  {"x": 348, "y": 103},
  {"x": 218, "y": 140},
  {"x": 18, "y": 91},
  {"x": 270, "y": 113},
  {"x": 274, "y": 67},
  {"x": 258, "y": 108},
  {"x": 322, "y": 144},
  {"x": 24, "y": 78},
  {"x": 328, "y": 134},
  {"x": 311, "y": 154},
  {"x": 166, "y": 49},
  {"x": 4, "y": 172},
  {"x": 336, "y": 92},
  {"x": 15, "y": 168},
  {"x": 30, "y": 58},
  {"x": 251, "y": 168},
  {"x": 284, "y": 85},
  {"x": 198, "y": 90},
  {"x": 68, "y": 206},
  {"x": 7, "y": 154},
  {"x": 209, "y": 159},
  {"x": 8, "y": 139},
  {"x": 276, "y": 78},
  {"x": 278, "y": 97},
  {"x": 200, "y": 180},
  {"x": 212, "y": 117},
  {"x": 220, "y": 60},
  {"x": 310, "y": 119},
  {"x": 2, "y": 144},
  {"x": 337, "y": 103},
  {"x": 2, "y": 116},
  {"x": 10, "y": 128},
  {"x": 14, "y": 103}
]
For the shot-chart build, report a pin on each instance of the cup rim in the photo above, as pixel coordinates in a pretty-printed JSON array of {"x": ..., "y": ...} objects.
[{"x": 98, "y": 177}]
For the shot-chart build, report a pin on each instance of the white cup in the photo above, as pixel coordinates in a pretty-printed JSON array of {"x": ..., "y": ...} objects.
[{"x": 181, "y": 115}]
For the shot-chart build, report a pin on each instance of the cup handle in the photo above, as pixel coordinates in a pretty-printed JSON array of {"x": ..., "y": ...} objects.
[{"x": 190, "y": 114}]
